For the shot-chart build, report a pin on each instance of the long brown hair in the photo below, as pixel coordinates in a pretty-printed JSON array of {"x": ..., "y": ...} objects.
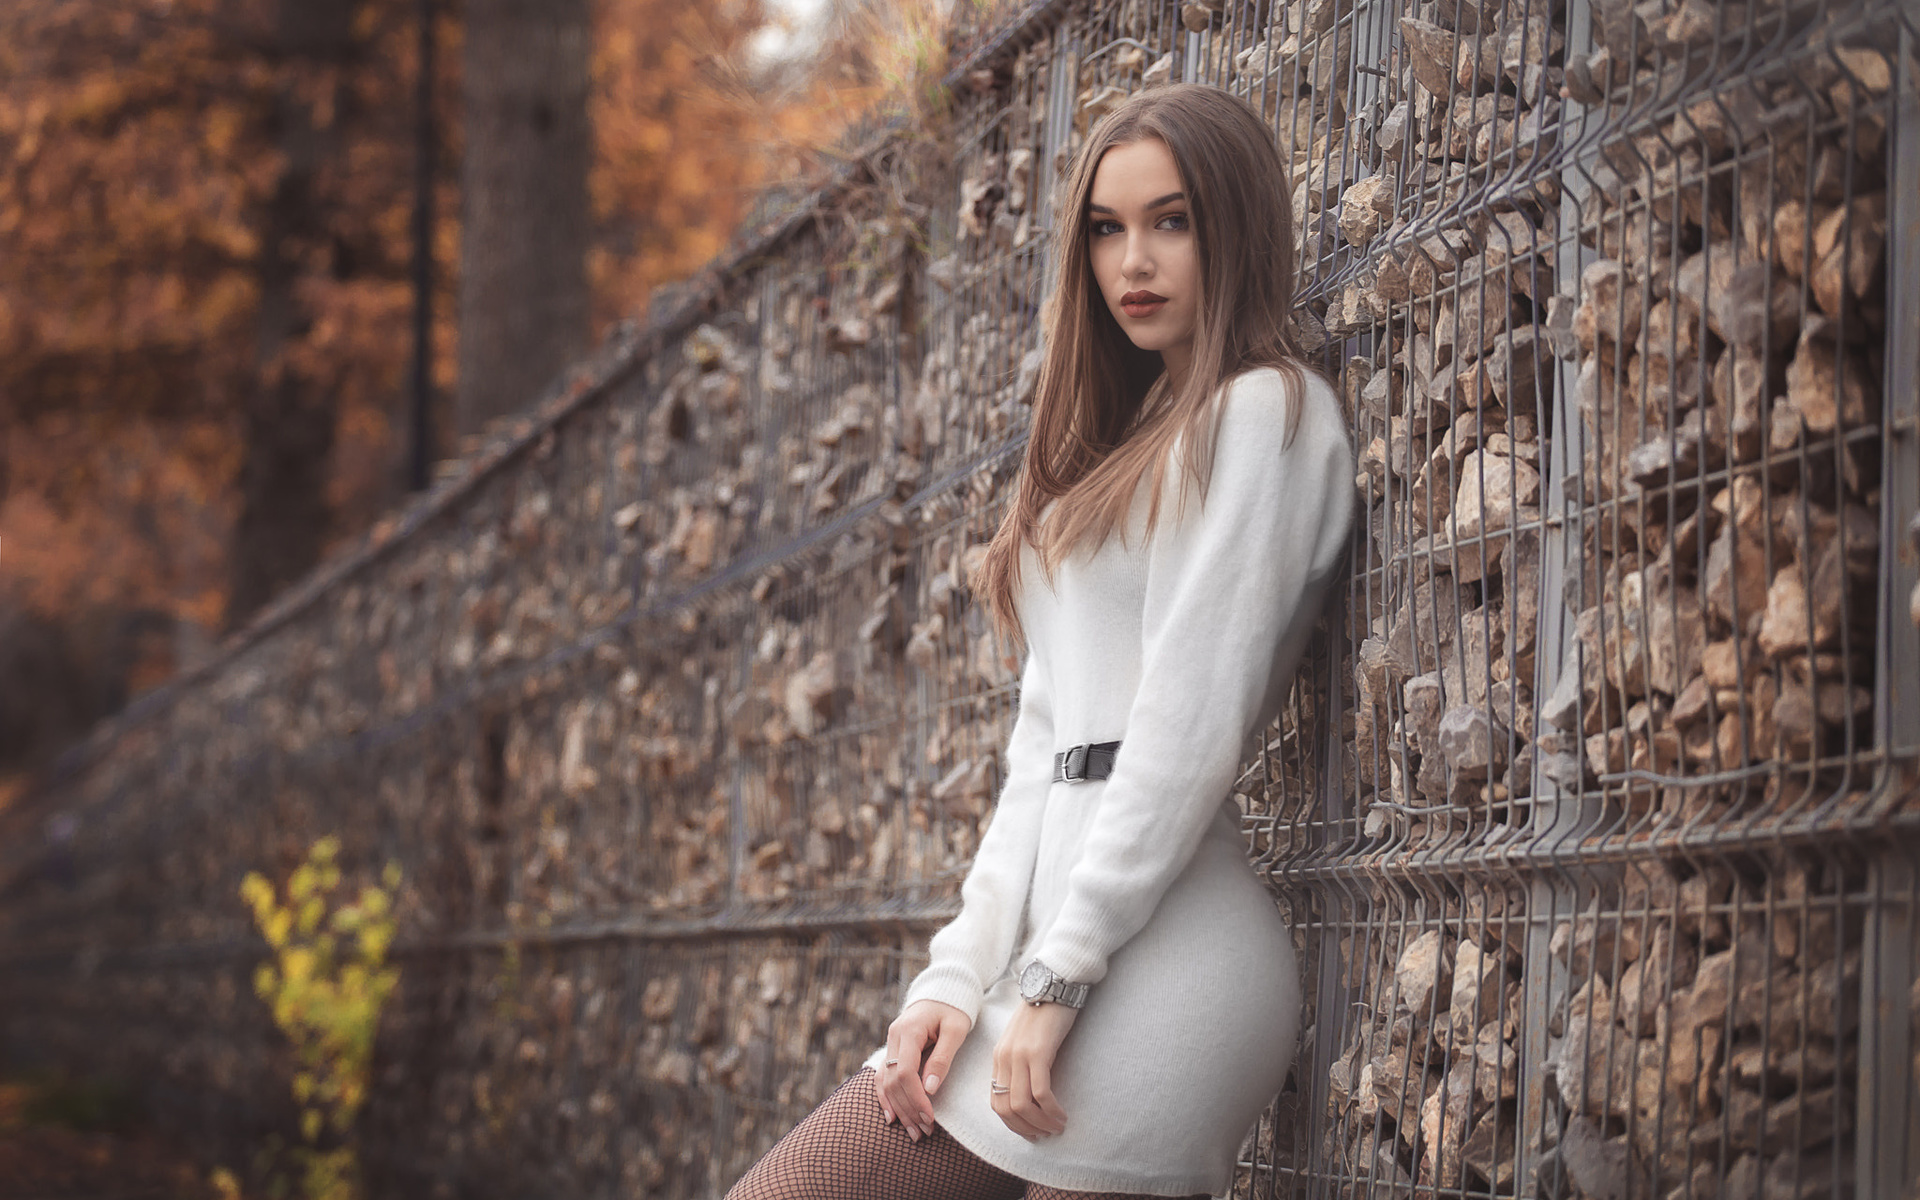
[{"x": 1094, "y": 434}]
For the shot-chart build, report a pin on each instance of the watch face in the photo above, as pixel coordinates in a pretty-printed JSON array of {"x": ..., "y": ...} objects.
[{"x": 1034, "y": 979}]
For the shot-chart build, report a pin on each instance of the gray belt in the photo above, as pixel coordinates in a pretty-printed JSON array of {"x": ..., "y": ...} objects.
[{"x": 1088, "y": 760}]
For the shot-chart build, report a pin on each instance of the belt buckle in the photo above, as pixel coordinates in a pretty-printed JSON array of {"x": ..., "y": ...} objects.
[{"x": 1076, "y": 765}]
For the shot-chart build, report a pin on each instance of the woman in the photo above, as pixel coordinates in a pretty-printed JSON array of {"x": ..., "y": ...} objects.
[{"x": 1117, "y": 999}]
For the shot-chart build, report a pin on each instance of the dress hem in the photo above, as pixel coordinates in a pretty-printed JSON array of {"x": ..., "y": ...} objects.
[
  {"x": 1078, "y": 1180},
  {"x": 1075, "y": 1181}
]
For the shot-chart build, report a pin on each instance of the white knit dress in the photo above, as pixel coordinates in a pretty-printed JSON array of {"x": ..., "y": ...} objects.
[{"x": 1139, "y": 883}]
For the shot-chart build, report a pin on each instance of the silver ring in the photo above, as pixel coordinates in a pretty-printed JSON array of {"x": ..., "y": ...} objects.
[
  {"x": 997, "y": 1088},
  {"x": 892, "y": 1062}
]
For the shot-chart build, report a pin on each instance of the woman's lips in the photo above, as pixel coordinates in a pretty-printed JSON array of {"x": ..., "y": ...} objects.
[{"x": 1141, "y": 304}]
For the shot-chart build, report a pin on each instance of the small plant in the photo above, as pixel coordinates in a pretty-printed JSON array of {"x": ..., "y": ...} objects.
[{"x": 326, "y": 985}]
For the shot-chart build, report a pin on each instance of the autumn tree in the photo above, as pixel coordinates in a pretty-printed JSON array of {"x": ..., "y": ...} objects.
[
  {"x": 288, "y": 417},
  {"x": 524, "y": 209},
  {"x": 193, "y": 275},
  {"x": 204, "y": 285}
]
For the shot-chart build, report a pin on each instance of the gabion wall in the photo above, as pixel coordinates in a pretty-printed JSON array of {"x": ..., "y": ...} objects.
[{"x": 1593, "y": 808}]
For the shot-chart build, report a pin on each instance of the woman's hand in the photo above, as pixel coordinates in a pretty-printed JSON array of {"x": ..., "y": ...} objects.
[
  {"x": 903, "y": 1088},
  {"x": 1023, "y": 1061}
]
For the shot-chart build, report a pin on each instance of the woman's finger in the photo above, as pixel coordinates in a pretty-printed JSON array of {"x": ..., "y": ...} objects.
[
  {"x": 953, "y": 1031},
  {"x": 1020, "y": 1113},
  {"x": 905, "y": 1096},
  {"x": 900, "y": 1048},
  {"x": 1040, "y": 1079},
  {"x": 999, "y": 1100}
]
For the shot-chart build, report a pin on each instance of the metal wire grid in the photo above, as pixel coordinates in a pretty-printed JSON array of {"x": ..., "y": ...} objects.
[
  {"x": 1420, "y": 845},
  {"x": 636, "y": 1068}
]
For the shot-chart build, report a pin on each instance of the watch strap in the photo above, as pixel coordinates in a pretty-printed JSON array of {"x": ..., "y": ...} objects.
[
  {"x": 1073, "y": 995},
  {"x": 1056, "y": 990}
]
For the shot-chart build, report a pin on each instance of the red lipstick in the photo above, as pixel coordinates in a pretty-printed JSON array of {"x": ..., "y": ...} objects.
[{"x": 1142, "y": 303}]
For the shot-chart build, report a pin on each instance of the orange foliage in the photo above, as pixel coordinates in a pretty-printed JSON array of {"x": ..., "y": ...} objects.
[
  {"x": 675, "y": 159},
  {"x": 126, "y": 297},
  {"x": 138, "y": 138}
]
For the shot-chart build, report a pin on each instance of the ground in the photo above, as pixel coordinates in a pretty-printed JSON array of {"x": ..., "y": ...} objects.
[{"x": 62, "y": 1142}]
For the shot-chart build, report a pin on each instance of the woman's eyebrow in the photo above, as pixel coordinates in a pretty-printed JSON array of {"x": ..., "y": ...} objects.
[{"x": 1169, "y": 198}]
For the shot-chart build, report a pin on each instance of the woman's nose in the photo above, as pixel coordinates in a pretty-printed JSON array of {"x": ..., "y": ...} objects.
[{"x": 1136, "y": 260}]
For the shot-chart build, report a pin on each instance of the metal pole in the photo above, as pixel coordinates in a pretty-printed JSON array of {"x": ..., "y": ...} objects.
[
  {"x": 1557, "y": 815},
  {"x": 1887, "y": 1117}
]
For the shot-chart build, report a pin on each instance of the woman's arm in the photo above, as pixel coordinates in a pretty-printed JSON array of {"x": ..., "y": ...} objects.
[
  {"x": 968, "y": 953},
  {"x": 1225, "y": 582}
]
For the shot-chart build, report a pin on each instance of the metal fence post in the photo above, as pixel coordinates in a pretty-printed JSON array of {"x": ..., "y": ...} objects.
[{"x": 1887, "y": 1117}]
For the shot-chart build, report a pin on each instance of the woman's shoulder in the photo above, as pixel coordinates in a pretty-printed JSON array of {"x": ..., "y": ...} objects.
[{"x": 1258, "y": 404}]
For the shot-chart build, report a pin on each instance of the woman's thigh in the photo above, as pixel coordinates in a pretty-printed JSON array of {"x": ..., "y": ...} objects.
[{"x": 846, "y": 1150}]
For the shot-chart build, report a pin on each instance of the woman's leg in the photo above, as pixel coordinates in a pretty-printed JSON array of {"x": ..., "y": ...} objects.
[{"x": 846, "y": 1150}]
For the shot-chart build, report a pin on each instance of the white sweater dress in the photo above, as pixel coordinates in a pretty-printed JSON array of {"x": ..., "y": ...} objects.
[{"x": 1179, "y": 647}]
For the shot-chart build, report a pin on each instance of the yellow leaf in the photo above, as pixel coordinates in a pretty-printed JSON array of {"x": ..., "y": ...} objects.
[{"x": 299, "y": 963}]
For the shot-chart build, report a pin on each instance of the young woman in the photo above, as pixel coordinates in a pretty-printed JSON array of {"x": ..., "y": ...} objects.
[{"x": 1117, "y": 999}]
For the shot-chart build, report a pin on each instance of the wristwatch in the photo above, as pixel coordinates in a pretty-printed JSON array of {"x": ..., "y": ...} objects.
[{"x": 1039, "y": 985}]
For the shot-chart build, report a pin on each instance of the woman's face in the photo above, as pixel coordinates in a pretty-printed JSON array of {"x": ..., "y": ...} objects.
[{"x": 1144, "y": 254}]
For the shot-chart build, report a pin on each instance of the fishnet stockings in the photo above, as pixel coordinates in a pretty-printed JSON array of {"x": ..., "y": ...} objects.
[{"x": 846, "y": 1150}]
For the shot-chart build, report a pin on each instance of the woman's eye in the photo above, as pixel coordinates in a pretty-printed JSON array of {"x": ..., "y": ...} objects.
[
  {"x": 1103, "y": 228},
  {"x": 1174, "y": 222}
]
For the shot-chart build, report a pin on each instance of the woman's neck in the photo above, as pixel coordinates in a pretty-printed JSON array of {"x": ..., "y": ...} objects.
[{"x": 1177, "y": 360}]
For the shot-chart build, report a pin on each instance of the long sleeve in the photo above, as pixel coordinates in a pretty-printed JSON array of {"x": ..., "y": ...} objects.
[
  {"x": 1225, "y": 585},
  {"x": 970, "y": 951}
]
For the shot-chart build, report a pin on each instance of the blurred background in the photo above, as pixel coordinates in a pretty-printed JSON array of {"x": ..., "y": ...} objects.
[{"x": 264, "y": 262}]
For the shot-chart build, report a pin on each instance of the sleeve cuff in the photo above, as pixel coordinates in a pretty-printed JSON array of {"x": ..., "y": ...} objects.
[
  {"x": 949, "y": 983},
  {"x": 1071, "y": 961}
]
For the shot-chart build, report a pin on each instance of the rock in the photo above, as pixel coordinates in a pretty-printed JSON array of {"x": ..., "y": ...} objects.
[
  {"x": 1422, "y": 698},
  {"x": 1609, "y": 306},
  {"x": 1585, "y": 945},
  {"x": 1430, "y": 55},
  {"x": 1391, "y": 137},
  {"x": 1365, "y": 208},
  {"x": 1497, "y": 1064},
  {"x": 1798, "y": 621},
  {"x": 1656, "y": 633},
  {"x": 1422, "y": 973},
  {"x": 1379, "y": 670},
  {"x": 1466, "y": 739},
  {"x": 1561, "y": 708},
  {"x": 1444, "y": 1118},
  {"x": 1489, "y": 1150},
  {"x": 1847, "y": 249},
  {"x": 1601, "y": 1167},
  {"x": 1493, "y": 487},
  {"x": 1477, "y": 990},
  {"x": 1829, "y": 389},
  {"x": 1735, "y": 581},
  {"x": 809, "y": 695},
  {"x": 1197, "y": 15},
  {"x": 1647, "y": 984}
]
